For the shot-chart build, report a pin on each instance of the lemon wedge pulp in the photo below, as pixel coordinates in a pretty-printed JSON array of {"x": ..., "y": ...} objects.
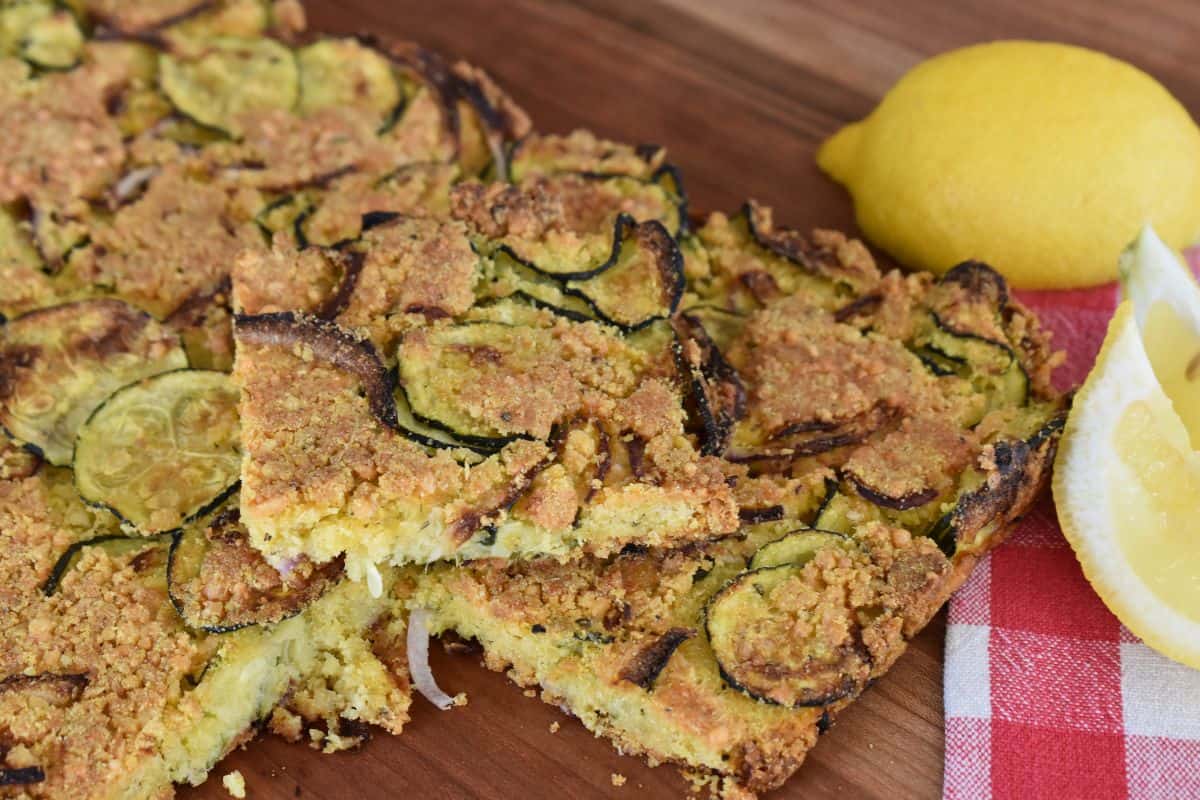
[
  {"x": 1127, "y": 478},
  {"x": 1166, "y": 303}
]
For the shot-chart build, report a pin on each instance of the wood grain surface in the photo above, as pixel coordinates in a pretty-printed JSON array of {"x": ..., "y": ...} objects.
[{"x": 741, "y": 93}]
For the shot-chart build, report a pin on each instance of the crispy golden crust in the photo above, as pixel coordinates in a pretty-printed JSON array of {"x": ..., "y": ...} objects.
[{"x": 177, "y": 240}]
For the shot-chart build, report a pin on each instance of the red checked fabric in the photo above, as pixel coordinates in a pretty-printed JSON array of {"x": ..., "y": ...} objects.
[{"x": 1047, "y": 695}]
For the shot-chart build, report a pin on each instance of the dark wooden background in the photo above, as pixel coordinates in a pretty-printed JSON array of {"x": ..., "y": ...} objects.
[{"x": 742, "y": 93}]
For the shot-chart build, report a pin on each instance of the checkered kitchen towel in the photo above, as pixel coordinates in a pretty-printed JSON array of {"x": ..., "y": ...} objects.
[{"x": 1047, "y": 694}]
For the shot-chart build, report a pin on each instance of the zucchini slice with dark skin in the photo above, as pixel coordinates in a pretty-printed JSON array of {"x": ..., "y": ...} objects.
[
  {"x": 151, "y": 552},
  {"x": 992, "y": 367},
  {"x": 45, "y": 34},
  {"x": 798, "y": 548},
  {"x": 342, "y": 349},
  {"x": 1018, "y": 467},
  {"x": 58, "y": 364},
  {"x": 648, "y": 663},
  {"x": 219, "y": 583},
  {"x": 336, "y": 73},
  {"x": 228, "y": 78},
  {"x": 446, "y": 364},
  {"x": 329, "y": 343},
  {"x": 22, "y": 776},
  {"x": 783, "y": 635},
  {"x": 715, "y": 398},
  {"x": 162, "y": 451},
  {"x": 514, "y": 278},
  {"x": 796, "y": 248},
  {"x": 468, "y": 100},
  {"x": 643, "y": 281}
]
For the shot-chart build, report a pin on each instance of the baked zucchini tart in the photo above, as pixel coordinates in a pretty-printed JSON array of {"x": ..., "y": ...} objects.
[
  {"x": 311, "y": 345},
  {"x": 879, "y": 433},
  {"x": 146, "y": 146}
]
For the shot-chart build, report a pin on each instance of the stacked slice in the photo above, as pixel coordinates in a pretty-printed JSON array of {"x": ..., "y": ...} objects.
[{"x": 287, "y": 317}]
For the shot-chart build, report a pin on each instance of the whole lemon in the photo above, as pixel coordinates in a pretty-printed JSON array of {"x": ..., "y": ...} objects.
[{"x": 1041, "y": 159}]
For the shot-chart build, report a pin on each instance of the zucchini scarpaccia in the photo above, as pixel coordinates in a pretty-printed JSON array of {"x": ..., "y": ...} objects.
[
  {"x": 778, "y": 636},
  {"x": 163, "y": 451},
  {"x": 218, "y": 583},
  {"x": 230, "y": 77},
  {"x": 58, "y": 364},
  {"x": 43, "y": 33}
]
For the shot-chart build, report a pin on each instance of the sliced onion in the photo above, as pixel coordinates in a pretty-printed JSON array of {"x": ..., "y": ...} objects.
[
  {"x": 418, "y": 660},
  {"x": 132, "y": 183}
]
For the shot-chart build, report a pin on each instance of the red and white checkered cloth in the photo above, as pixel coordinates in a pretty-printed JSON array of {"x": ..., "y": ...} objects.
[{"x": 1047, "y": 694}]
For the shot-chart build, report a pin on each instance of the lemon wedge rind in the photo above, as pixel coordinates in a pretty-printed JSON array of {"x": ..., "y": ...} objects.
[{"x": 1090, "y": 470}]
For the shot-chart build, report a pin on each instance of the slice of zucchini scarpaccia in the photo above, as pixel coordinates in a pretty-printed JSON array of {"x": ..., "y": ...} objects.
[
  {"x": 779, "y": 635},
  {"x": 447, "y": 365},
  {"x": 162, "y": 451},
  {"x": 339, "y": 73},
  {"x": 58, "y": 364},
  {"x": 219, "y": 583},
  {"x": 798, "y": 548},
  {"x": 715, "y": 396},
  {"x": 344, "y": 350},
  {"x": 44, "y": 33},
  {"x": 228, "y": 77},
  {"x": 149, "y": 553}
]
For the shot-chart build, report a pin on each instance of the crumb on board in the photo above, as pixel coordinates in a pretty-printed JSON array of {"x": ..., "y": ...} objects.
[
  {"x": 618, "y": 779},
  {"x": 235, "y": 784},
  {"x": 460, "y": 699},
  {"x": 530, "y": 693},
  {"x": 554, "y": 726}
]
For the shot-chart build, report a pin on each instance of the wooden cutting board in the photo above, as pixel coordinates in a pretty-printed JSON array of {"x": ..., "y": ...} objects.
[{"x": 742, "y": 94}]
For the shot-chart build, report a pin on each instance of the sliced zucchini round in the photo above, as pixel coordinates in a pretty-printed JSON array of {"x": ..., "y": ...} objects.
[
  {"x": 162, "y": 451},
  {"x": 439, "y": 371},
  {"x": 643, "y": 281},
  {"x": 992, "y": 367},
  {"x": 716, "y": 397},
  {"x": 150, "y": 552},
  {"x": 219, "y": 583},
  {"x": 782, "y": 635},
  {"x": 228, "y": 78},
  {"x": 437, "y": 437},
  {"x": 58, "y": 364},
  {"x": 798, "y": 548},
  {"x": 41, "y": 32},
  {"x": 335, "y": 73}
]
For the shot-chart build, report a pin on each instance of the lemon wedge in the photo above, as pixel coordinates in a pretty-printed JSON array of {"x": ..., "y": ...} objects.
[
  {"x": 1127, "y": 479},
  {"x": 1166, "y": 303}
]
